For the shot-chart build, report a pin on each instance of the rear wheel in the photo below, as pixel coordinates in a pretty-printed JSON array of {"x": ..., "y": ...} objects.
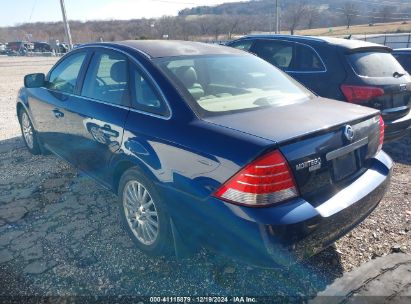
[
  {"x": 29, "y": 134},
  {"x": 143, "y": 214}
]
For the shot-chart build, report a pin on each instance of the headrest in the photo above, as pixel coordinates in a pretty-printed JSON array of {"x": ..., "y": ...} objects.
[
  {"x": 118, "y": 71},
  {"x": 187, "y": 75}
]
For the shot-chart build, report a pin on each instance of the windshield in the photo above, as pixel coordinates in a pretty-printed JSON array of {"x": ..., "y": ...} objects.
[
  {"x": 219, "y": 84},
  {"x": 374, "y": 64}
]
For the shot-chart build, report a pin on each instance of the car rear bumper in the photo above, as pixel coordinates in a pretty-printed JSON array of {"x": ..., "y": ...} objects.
[
  {"x": 395, "y": 129},
  {"x": 290, "y": 231}
]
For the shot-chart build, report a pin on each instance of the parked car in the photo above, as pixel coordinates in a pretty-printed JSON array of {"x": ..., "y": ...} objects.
[
  {"x": 349, "y": 70},
  {"x": 404, "y": 57},
  {"x": 2, "y": 48},
  {"x": 207, "y": 145},
  {"x": 19, "y": 47},
  {"x": 41, "y": 47}
]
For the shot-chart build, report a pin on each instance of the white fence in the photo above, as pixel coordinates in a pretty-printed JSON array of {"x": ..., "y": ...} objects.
[{"x": 394, "y": 41}]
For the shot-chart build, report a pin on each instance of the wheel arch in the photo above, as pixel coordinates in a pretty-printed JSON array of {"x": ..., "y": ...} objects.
[
  {"x": 20, "y": 107},
  {"x": 122, "y": 166}
]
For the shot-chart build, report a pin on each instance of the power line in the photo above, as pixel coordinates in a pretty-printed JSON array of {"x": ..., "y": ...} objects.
[{"x": 32, "y": 9}]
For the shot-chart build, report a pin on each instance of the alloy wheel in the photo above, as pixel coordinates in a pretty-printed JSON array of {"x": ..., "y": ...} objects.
[
  {"x": 27, "y": 130},
  {"x": 141, "y": 213}
]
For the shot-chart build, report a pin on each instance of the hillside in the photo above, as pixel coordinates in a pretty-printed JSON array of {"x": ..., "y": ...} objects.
[{"x": 224, "y": 21}]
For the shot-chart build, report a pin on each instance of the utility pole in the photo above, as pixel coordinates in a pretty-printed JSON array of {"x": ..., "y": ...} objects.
[
  {"x": 277, "y": 13},
  {"x": 66, "y": 25}
]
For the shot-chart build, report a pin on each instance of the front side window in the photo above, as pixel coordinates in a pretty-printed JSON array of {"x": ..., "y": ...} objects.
[
  {"x": 107, "y": 78},
  {"x": 219, "y": 84},
  {"x": 278, "y": 53},
  {"x": 64, "y": 76}
]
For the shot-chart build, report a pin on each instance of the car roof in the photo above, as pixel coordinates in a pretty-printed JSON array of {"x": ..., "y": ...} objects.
[
  {"x": 348, "y": 44},
  {"x": 171, "y": 48}
]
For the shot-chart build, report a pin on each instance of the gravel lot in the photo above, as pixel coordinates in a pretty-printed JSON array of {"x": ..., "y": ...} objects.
[{"x": 59, "y": 231}]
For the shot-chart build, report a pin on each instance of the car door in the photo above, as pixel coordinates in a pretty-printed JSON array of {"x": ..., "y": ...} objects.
[
  {"x": 298, "y": 60},
  {"x": 46, "y": 103},
  {"x": 309, "y": 69},
  {"x": 97, "y": 116}
]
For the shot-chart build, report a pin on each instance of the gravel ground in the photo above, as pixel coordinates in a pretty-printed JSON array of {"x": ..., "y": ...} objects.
[{"x": 60, "y": 234}]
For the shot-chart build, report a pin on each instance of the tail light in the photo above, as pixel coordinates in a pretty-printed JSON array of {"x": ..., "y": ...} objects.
[
  {"x": 382, "y": 127},
  {"x": 358, "y": 94},
  {"x": 265, "y": 181}
]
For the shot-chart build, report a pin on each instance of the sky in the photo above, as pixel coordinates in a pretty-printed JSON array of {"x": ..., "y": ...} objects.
[{"x": 13, "y": 12}]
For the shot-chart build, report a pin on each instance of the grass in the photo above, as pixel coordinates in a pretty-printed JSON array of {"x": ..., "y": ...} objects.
[{"x": 377, "y": 28}]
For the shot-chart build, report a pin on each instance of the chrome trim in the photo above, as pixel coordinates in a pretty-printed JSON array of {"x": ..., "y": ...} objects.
[
  {"x": 146, "y": 74},
  {"x": 270, "y": 166},
  {"x": 347, "y": 149},
  {"x": 265, "y": 176},
  {"x": 263, "y": 185}
]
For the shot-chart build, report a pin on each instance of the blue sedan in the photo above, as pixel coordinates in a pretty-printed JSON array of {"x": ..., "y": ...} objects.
[{"x": 207, "y": 145}]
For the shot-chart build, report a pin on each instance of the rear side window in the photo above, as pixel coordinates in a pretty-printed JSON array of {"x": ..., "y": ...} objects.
[
  {"x": 244, "y": 45},
  {"x": 375, "y": 64},
  {"x": 278, "y": 53},
  {"x": 63, "y": 77},
  {"x": 107, "y": 78},
  {"x": 146, "y": 98},
  {"x": 308, "y": 60}
]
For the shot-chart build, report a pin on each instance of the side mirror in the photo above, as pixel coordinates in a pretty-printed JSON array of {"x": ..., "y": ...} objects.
[{"x": 36, "y": 80}]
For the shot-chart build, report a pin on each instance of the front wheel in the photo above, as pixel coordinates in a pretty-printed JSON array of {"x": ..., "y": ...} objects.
[
  {"x": 29, "y": 134},
  {"x": 143, "y": 214}
]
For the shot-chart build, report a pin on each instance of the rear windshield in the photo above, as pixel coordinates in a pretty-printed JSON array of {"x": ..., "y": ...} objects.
[
  {"x": 231, "y": 83},
  {"x": 374, "y": 64}
]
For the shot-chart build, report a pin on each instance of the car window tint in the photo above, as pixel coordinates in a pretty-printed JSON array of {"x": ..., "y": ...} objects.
[
  {"x": 278, "y": 53},
  {"x": 375, "y": 64},
  {"x": 244, "y": 45},
  {"x": 308, "y": 60},
  {"x": 107, "y": 78},
  {"x": 146, "y": 96},
  {"x": 64, "y": 76}
]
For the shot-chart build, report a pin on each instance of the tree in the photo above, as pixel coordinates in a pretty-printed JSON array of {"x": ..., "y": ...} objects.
[
  {"x": 350, "y": 12},
  {"x": 294, "y": 15},
  {"x": 312, "y": 15}
]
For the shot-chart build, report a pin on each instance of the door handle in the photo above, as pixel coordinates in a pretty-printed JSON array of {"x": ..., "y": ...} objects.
[
  {"x": 107, "y": 130},
  {"x": 58, "y": 113}
]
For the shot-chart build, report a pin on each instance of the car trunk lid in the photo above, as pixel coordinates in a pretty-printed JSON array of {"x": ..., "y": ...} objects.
[{"x": 311, "y": 136}]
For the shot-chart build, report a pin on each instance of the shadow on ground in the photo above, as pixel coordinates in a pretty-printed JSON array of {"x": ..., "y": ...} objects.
[
  {"x": 60, "y": 235},
  {"x": 399, "y": 150}
]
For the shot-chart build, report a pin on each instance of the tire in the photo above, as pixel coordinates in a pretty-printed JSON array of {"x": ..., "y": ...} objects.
[
  {"x": 29, "y": 133},
  {"x": 138, "y": 221}
]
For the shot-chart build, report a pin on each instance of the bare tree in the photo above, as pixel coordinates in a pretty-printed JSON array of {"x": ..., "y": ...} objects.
[
  {"x": 216, "y": 26},
  {"x": 294, "y": 15},
  {"x": 350, "y": 12},
  {"x": 232, "y": 23},
  {"x": 312, "y": 15}
]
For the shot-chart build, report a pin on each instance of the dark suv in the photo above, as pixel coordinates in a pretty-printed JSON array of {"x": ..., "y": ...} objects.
[
  {"x": 404, "y": 57},
  {"x": 349, "y": 70}
]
